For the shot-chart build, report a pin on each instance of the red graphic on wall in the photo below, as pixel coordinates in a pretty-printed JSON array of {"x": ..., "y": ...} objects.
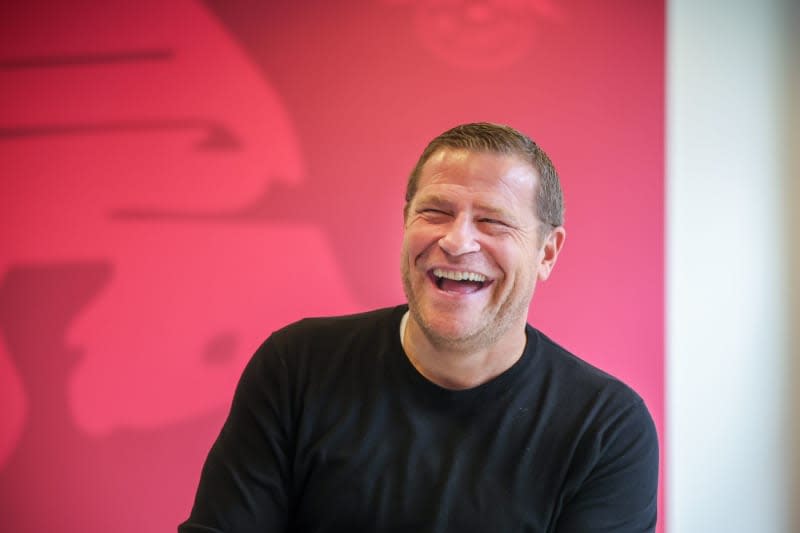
[
  {"x": 482, "y": 34},
  {"x": 14, "y": 404},
  {"x": 179, "y": 179},
  {"x": 134, "y": 148}
]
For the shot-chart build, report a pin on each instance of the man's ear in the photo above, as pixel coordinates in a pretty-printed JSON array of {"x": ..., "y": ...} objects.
[{"x": 550, "y": 250}]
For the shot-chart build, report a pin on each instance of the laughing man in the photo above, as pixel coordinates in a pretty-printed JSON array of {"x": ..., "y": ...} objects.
[{"x": 450, "y": 413}]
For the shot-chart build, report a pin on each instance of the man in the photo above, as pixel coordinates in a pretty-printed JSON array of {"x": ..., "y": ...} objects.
[{"x": 450, "y": 414}]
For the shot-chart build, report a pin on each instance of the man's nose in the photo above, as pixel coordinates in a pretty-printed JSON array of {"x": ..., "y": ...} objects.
[{"x": 460, "y": 237}]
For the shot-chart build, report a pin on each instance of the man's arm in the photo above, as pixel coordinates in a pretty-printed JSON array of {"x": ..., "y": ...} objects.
[
  {"x": 620, "y": 492},
  {"x": 244, "y": 486}
]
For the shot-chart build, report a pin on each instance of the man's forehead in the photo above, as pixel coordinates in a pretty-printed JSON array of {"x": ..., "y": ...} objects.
[
  {"x": 446, "y": 156},
  {"x": 478, "y": 167}
]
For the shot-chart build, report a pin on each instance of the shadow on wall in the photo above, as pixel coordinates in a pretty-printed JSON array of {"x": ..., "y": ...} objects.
[{"x": 100, "y": 469}]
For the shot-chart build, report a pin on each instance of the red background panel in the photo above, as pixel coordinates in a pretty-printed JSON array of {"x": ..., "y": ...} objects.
[{"x": 180, "y": 178}]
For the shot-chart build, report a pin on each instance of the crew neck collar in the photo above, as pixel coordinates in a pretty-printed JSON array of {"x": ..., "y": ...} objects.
[{"x": 497, "y": 385}]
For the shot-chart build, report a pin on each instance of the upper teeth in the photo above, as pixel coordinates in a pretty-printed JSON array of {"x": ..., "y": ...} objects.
[{"x": 458, "y": 276}]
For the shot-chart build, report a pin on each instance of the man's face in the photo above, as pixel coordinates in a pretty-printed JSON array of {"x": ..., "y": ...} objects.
[{"x": 471, "y": 251}]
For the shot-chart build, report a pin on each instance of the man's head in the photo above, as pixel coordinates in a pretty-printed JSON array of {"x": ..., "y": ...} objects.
[
  {"x": 474, "y": 244},
  {"x": 500, "y": 139}
]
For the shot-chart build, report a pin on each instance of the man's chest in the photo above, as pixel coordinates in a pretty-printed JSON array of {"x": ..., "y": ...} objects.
[{"x": 393, "y": 466}]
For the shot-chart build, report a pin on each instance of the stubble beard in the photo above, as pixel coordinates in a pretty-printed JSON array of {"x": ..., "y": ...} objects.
[{"x": 485, "y": 336}]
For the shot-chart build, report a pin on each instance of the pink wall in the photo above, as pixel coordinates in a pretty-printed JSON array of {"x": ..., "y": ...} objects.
[{"x": 180, "y": 178}]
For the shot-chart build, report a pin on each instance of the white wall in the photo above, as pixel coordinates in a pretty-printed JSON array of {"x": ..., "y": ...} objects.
[
  {"x": 793, "y": 206},
  {"x": 728, "y": 364},
  {"x": 794, "y": 317}
]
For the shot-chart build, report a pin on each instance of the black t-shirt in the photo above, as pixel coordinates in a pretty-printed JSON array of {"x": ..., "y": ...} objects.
[{"x": 332, "y": 429}]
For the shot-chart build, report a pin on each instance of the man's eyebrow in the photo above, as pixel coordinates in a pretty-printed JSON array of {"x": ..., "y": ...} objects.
[
  {"x": 492, "y": 211},
  {"x": 436, "y": 199}
]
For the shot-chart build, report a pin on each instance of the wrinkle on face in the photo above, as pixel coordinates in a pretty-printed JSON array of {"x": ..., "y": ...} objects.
[{"x": 467, "y": 192}]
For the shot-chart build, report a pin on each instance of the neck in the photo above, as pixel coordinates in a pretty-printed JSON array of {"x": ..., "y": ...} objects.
[{"x": 461, "y": 365}]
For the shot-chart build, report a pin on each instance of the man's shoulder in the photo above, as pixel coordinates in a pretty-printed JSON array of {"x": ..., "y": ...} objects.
[
  {"x": 577, "y": 378},
  {"x": 327, "y": 333},
  {"x": 600, "y": 412},
  {"x": 330, "y": 346},
  {"x": 342, "y": 324}
]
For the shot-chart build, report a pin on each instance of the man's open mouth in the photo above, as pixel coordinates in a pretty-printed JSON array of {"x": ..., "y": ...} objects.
[{"x": 463, "y": 282}]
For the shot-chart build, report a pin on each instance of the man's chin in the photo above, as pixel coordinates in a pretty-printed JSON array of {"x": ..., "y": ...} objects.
[{"x": 453, "y": 329}]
